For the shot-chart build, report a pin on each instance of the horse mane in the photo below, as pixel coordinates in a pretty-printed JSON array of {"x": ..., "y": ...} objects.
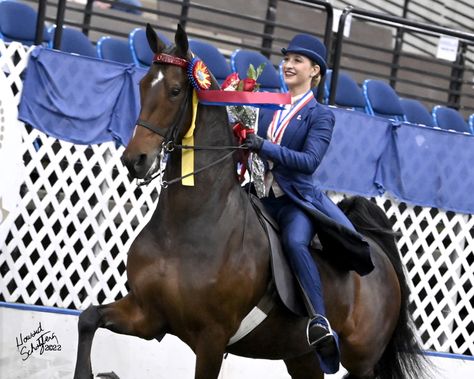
[{"x": 371, "y": 221}]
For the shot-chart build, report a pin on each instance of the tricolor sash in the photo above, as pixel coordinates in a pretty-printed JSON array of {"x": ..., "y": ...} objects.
[{"x": 282, "y": 118}]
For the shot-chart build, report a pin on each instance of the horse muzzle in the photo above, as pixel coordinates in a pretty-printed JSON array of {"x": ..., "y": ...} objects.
[{"x": 141, "y": 166}]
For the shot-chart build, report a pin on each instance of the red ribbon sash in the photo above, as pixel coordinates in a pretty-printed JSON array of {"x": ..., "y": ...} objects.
[{"x": 243, "y": 97}]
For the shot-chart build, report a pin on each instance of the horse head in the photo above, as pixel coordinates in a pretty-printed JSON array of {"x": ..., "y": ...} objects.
[{"x": 166, "y": 106}]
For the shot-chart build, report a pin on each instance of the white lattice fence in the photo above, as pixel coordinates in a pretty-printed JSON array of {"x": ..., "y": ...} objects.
[
  {"x": 438, "y": 254},
  {"x": 65, "y": 243}
]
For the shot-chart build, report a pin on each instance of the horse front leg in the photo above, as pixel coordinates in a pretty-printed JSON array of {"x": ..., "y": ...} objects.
[
  {"x": 89, "y": 322},
  {"x": 123, "y": 316},
  {"x": 209, "y": 350}
]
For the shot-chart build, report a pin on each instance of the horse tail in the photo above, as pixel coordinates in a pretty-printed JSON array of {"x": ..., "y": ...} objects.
[{"x": 371, "y": 221}]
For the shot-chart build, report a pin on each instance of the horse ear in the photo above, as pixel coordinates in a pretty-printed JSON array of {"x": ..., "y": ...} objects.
[
  {"x": 181, "y": 42},
  {"x": 156, "y": 44}
]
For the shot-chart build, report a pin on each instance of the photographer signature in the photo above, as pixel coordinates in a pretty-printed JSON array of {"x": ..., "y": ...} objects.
[{"x": 37, "y": 341}]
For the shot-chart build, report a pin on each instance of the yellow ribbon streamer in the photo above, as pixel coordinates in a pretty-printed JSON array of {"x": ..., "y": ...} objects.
[{"x": 187, "y": 155}]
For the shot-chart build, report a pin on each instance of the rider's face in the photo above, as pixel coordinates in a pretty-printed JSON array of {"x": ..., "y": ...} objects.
[{"x": 298, "y": 70}]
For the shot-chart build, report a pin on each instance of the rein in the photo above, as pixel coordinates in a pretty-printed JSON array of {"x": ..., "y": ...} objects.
[{"x": 168, "y": 149}]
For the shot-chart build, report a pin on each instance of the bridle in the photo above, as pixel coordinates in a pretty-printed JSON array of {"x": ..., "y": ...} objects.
[{"x": 170, "y": 134}]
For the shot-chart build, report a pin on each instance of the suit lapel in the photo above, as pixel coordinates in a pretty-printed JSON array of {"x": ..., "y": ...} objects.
[{"x": 296, "y": 122}]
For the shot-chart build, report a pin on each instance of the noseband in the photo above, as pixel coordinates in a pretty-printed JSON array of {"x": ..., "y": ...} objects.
[{"x": 169, "y": 134}]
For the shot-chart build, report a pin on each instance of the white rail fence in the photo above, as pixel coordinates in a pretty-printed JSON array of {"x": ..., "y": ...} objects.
[{"x": 69, "y": 213}]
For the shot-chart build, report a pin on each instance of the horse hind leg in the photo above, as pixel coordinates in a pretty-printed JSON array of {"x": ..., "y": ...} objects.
[
  {"x": 123, "y": 316},
  {"x": 304, "y": 367}
]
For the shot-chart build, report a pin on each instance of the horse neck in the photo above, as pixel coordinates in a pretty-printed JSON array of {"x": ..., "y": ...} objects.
[{"x": 213, "y": 186}]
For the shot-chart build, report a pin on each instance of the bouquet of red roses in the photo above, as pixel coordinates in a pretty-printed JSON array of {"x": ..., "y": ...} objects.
[
  {"x": 244, "y": 114},
  {"x": 244, "y": 118}
]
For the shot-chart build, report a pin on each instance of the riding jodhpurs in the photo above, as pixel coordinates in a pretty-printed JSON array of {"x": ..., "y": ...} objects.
[{"x": 297, "y": 231}]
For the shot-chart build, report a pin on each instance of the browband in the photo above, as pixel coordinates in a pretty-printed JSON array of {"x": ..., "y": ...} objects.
[{"x": 170, "y": 59}]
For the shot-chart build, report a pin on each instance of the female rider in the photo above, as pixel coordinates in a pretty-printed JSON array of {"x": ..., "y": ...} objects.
[{"x": 293, "y": 142}]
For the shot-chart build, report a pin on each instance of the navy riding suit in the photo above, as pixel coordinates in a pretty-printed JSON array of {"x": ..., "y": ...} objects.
[{"x": 302, "y": 147}]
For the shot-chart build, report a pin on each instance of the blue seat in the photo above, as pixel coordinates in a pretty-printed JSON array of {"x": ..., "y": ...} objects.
[
  {"x": 348, "y": 93},
  {"x": 212, "y": 57},
  {"x": 382, "y": 100},
  {"x": 73, "y": 41},
  {"x": 416, "y": 112},
  {"x": 18, "y": 23},
  {"x": 240, "y": 61},
  {"x": 114, "y": 50},
  {"x": 470, "y": 121},
  {"x": 122, "y": 5},
  {"x": 449, "y": 119},
  {"x": 141, "y": 52}
]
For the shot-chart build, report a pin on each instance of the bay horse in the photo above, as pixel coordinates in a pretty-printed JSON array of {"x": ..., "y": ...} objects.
[{"x": 203, "y": 260}]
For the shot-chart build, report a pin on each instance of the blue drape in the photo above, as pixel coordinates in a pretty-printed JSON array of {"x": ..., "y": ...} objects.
[
  {"x": 350, "y": 163},
  {"x": 87, "y": 101},
  {"x": 80, "y": 99},
  {"x": 421, "y": 165},
  {"x": 429, "y": 167}
]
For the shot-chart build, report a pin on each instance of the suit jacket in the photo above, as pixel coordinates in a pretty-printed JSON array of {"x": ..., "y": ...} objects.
[{"x": 295, "y": 161}]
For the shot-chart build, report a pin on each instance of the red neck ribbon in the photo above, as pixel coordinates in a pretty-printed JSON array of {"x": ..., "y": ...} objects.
[{"x": 258, "y": 99}]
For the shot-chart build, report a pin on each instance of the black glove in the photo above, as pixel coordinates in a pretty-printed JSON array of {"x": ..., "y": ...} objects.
[{"x": 253, "y": 142}]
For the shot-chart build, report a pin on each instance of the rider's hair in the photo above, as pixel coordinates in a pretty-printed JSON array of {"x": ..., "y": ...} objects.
[{"x": 317, "y": 78}]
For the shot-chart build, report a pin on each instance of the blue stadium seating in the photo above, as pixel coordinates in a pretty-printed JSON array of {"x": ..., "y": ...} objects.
[
  {"x": 348, "y": 93},
  {"x": 240, "y": 61},
  {"x": 18, "y": 23},
  {"x": 449, "y": 119},
  {"x": 114, "y": 50},
  {"x": 73, "y": 41},
  {"x": 416, "y": 112},
  {"x": 382, "y": 100},
  {"x": 212, "y": 57},
  {"x": 121, "y": 5},
  {"x": 141, "y": 52},
  {"x": 470, "y": 121}
]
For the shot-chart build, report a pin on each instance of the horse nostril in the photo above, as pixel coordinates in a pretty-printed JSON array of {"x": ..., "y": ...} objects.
[{"x": 140, "y": 161}]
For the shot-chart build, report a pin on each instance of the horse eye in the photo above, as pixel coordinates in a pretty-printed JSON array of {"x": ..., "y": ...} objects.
[{"x": 175, "y": 91}]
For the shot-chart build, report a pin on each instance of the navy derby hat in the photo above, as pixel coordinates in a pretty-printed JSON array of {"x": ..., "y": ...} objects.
[{"x": 310, "y": 47}]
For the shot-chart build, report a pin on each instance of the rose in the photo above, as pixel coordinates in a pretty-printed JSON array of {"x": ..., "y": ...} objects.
[
  {"x": 245, "y": 117},
  {"x": 249, "y": 84},
  {"x": 231, "y": 82}
]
